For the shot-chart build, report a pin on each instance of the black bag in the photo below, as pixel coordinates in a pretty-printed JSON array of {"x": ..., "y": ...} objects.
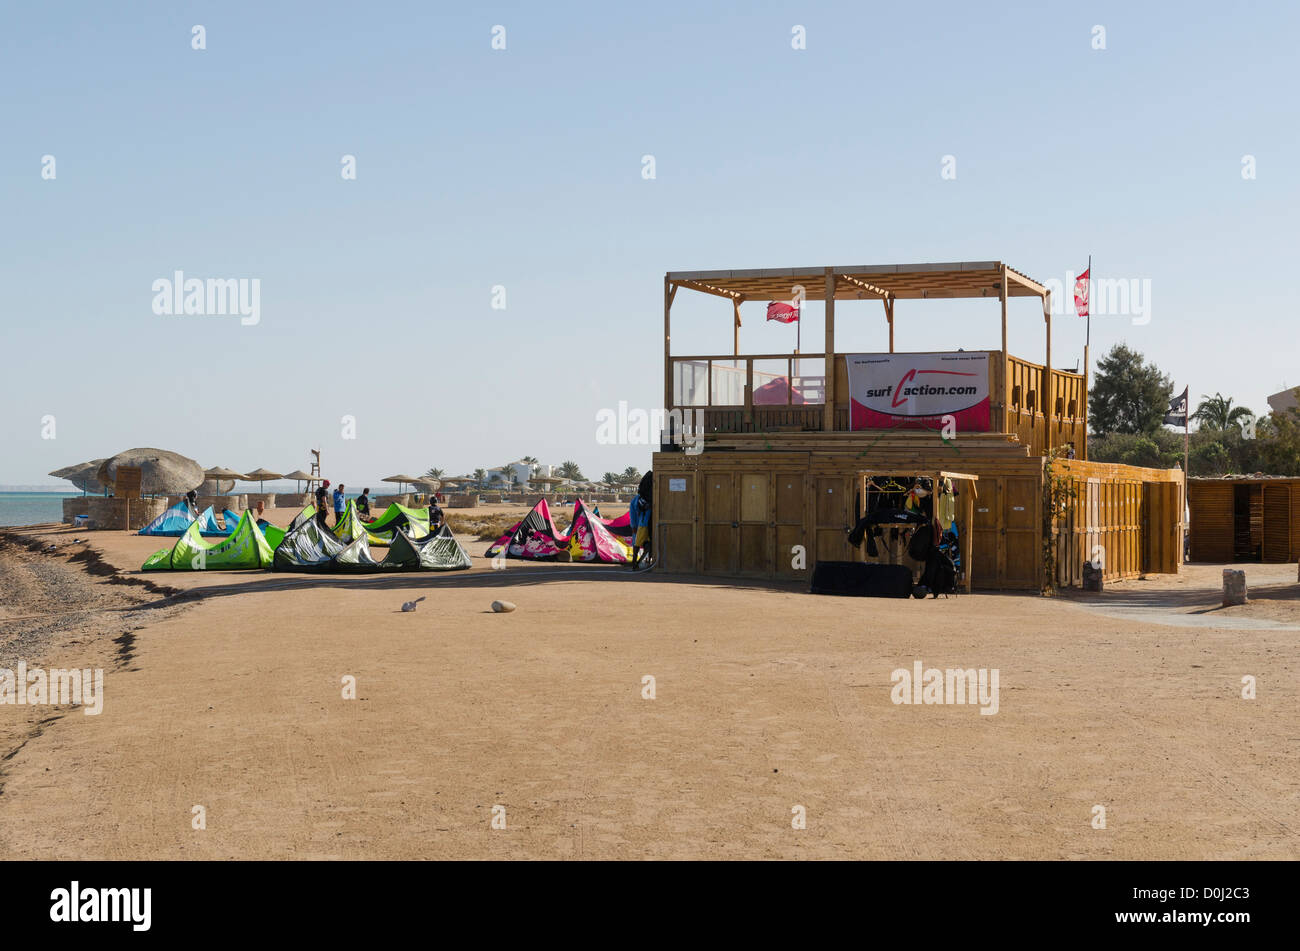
[
  {"x": 922, "y": 543},
  {"x": 940, "y": 575}
]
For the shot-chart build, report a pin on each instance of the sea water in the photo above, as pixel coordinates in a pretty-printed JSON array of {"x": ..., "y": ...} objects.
[{"x": 32, "y": 508}]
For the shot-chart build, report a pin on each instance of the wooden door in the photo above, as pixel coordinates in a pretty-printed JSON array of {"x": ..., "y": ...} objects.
[
  {"x": 1211, "y": 521},
  {"x": 1277, "y": 523},
  {"x": 674, "y": 515},
  {"x": 985, "y": 538},
  {"x": 754, "y": 535},
  {"x": 833, "y": 499},
  {"x": 1162, "y": 548},
  {"x": 1021, "y": 528},
  {"x": 720, "y": 525},
  {"x": 788, "y": 492}
]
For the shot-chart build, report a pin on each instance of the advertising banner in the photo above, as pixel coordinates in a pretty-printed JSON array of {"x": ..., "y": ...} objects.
[{"x": 916, "y": 390}]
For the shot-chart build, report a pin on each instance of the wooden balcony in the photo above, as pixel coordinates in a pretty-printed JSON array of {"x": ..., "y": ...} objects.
[{"x": 785, "y": 393}]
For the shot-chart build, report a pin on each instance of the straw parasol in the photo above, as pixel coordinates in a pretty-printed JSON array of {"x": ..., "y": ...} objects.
[
  {"x": 297, "y": 475},
  {"x": 261, "y": 475},
  {"x": 400, "y": 480},
  {"x": 83, "y": 475},
  {"x": 220, "y": 474},
  {"x": 161, "y": 471}
]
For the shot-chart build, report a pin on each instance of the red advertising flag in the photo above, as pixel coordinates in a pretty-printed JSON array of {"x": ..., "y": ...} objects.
[
  {"x": 782, "y": 312},
  {"x": 1081, "y": 293}
]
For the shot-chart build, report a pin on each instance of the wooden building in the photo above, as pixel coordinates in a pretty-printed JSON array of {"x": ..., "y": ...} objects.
[
  {"x": 778, "y": 448},
  {"x": 1244, "y": 518}
]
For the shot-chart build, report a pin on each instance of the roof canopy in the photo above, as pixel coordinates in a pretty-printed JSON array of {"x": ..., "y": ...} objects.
[{"x": 864, "y": 282}]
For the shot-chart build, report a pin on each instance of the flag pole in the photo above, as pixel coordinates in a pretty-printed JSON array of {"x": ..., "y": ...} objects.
[
  {"x": 1187, "y": 421},
  {"x": 1087, "y": 340},
  {"x": 1087, "y": 363}
]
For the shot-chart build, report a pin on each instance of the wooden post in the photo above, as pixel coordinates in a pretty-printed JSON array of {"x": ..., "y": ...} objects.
[
  {"x": 670, "y": 290},
  {"x": 735, "y": 330},
  {"x": 749, "y": 394},
  {"x": 1049, "y": 406},
  {"x": 1003, "y": 295},
  {"x": 889, "y": 316},
  {"x": 1083, "y": 451},
  {"x": 967, "y": 527},
  {"x": 828, "y": 411}
]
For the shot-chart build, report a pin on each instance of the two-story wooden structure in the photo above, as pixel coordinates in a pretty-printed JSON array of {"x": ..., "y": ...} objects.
[{"x": 780, "y": 446}]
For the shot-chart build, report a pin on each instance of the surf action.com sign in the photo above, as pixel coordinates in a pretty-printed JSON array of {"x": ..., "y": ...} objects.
[{"x": 916, "y": 390}]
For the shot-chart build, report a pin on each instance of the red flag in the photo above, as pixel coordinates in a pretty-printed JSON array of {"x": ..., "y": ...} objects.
[
  {"x": 1081, "y": 294},
  {"x": 782, "y": 312}
]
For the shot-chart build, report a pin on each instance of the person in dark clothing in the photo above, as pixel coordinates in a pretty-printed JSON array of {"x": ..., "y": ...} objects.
[
  {"x": 322, "y": 505},
  {"x": 640, "y": 512},
  {"x": 192, "y": 500},
  {"x": 363, "y": 503},
  {"x": 435, "y": 515}
]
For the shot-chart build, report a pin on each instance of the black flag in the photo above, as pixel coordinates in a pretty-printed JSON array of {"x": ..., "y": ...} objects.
[{"x": 1177, "y": 415}]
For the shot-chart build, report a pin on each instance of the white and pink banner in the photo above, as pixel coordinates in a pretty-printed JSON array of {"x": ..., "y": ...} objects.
[{"x": 916, "y": 390}]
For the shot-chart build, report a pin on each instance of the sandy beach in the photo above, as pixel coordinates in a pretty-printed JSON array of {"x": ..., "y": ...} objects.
[{"x": 226, "y": 690}]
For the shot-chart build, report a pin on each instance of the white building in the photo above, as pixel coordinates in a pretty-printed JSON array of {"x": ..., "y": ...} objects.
[{"x": 513, "y": 473}]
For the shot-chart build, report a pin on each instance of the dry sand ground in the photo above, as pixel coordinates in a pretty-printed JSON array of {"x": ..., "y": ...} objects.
[{"x": 230, "y": 698}]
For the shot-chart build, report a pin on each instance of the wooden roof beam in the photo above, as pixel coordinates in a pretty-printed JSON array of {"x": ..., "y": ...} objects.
[
  {"x": 709, "y": 289},
  {"x": 1014, "y": 275},
  {"x": 865, "y": 285}
]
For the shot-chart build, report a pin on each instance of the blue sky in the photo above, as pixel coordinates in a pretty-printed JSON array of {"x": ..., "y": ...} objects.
[{"x": 522, "y": 168}]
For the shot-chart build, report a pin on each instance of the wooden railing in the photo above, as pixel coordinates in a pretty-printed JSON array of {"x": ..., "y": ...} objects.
[
  {"x": 1027, "y": 406},
  {"x": 723, "y": 389}
]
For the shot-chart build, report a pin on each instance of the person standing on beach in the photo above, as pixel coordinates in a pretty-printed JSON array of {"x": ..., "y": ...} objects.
[
  {"x": 363, "y": 503},
  {"x": 339, "y": 504},
  {"x": 435, "y": 515},
  {"x": 639, "y": 513},
  {"x": 322, "y": 504},
  {"x": 192, "y": 501}
]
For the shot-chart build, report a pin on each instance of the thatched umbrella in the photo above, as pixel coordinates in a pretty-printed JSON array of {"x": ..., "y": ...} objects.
[
  {"x": 297, "y": 475},
  {"x": 161, "y": 471},
  {"x": 260, "y": 476},
  {"x": 83, "y": 475},
  {"x": 219, "y": 475},
  {"x": 400, "y": 480}
]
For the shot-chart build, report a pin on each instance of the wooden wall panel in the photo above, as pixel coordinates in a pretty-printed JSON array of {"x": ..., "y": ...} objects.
[
  {"x": 1276, "y": 527},
  {"x": 1211, "y": 525}
]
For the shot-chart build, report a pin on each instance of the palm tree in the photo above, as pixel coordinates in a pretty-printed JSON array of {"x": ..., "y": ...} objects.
[
  {"x": 631, "y": 475},
  {"x": 434, "y": 473},
  {"x": 611, "y": 478},
  {"x": 570, "y": 470},
  {"x": 530, "y": 460},
  {"x": 479, "y": 476},
  {"x": 1217, "y": 412}
]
